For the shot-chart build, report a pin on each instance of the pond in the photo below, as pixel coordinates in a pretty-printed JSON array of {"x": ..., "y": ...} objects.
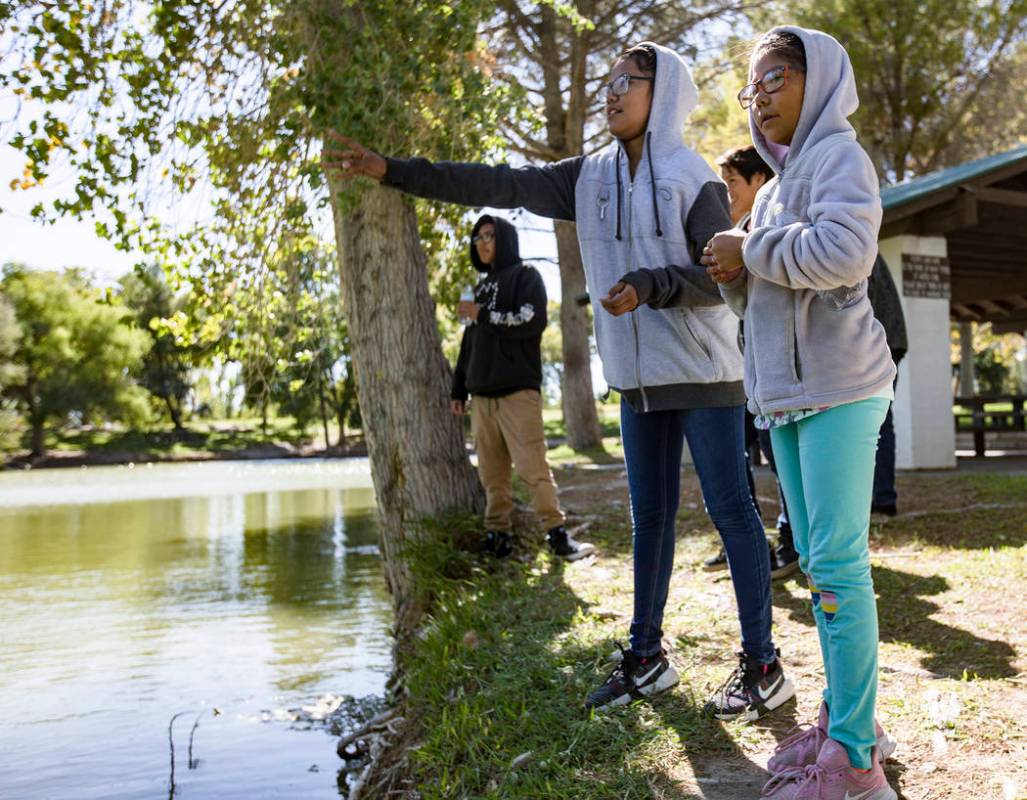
[{"x": 230, "y": 591}]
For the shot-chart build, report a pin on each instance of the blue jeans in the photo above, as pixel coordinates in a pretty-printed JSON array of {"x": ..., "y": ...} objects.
[
  {"x": 652, "y": 450},
  {"x": 884, "y": 461}
]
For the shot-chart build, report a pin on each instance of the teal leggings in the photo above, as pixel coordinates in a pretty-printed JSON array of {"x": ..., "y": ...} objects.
[{"x": 826, "y": 467}]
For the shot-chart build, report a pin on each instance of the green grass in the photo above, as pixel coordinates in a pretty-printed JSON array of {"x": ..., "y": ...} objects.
[
  {"x": 512, "y": 648},
  {"x": 209, "y": 437},
  {"x": 609, "y": 421}
]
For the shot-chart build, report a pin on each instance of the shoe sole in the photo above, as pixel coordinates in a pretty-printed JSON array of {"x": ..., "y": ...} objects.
[
  {"x": 583, "y": 551},
  {"x": 884, "y": 793},
  {"x": 779, "y": 698},
  {"x": 714, "y": 567},
  {"x": 668, "y": 679}
]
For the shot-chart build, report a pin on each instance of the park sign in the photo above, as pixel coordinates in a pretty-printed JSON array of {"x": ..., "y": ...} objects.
[{"x": 925, "y": 276}]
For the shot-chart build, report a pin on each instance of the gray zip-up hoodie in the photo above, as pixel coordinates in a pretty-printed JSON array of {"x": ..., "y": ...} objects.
[
  {"x": 686, "y": 357},
  {"x": 811, "y": 337}
]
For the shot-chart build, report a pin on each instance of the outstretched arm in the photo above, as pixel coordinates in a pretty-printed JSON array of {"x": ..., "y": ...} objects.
[{"x": 547, "y": 191}]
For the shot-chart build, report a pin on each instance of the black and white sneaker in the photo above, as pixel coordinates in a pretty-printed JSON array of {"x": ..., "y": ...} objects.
[
  {"x": 497, "y": 543},
  {"x": 751, "y": 691},
  {"x": 632, "y": 679},
  {"x": 565, "y": 546},
  {"x": 783, "y": 562}
]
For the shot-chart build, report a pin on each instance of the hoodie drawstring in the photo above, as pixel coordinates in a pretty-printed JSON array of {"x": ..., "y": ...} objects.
[
  {"x": 652, "y": 178},
  {"x": 617, "y": 169}
]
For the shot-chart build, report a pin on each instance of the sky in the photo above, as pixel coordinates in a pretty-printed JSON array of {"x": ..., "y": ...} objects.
[
  {"x": 68, "y": 243},
  {"x": 51, "y": 247}
]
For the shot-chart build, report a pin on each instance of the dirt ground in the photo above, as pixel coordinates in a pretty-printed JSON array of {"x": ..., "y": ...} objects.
[{"x": 949, "y": 572}]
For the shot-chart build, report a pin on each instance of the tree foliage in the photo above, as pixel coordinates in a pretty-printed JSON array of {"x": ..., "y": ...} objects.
[
  {"x": 165, "y": 371},
  {"x": 75, "y": 354},
  {"x": 9, "y": 373},
  {"x": 939, "y": 81}
]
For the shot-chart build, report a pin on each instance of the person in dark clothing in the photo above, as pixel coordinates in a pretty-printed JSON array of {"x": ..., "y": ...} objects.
[
  {"x": 500, "y": 365},
  {"x": 884, "y": 298},
  {"x": 744, "y": 171}
]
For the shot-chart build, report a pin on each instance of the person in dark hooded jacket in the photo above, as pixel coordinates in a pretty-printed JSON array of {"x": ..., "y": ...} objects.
[{"x": 500, "y": 366}]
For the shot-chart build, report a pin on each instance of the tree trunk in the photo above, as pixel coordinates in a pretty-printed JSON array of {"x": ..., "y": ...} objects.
[
  {"x": 418, "y": 460},
  {"x": 966, "y": 359},
  {"x": 175, "y": 412},
  {"x": 565, "y": 132},
  {"x": 38, "y": 444},
  {"x": 324, "y": 412},
  {"x": 578, "y": 398}
]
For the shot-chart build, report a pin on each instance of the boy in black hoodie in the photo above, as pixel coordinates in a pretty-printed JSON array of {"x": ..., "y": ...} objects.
[{"x": 500, "y": 365}]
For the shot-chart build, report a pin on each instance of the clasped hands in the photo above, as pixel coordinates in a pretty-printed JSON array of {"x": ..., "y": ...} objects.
[{"x": 722, "y": 258}]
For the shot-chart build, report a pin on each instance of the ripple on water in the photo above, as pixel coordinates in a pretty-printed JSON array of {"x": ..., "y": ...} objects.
[{"x": 129, "y": 595}]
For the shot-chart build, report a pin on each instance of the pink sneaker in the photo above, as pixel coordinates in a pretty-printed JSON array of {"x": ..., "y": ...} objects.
[
  {"x": 802, "y": 746},
  {"x": 831, "y": 778}
]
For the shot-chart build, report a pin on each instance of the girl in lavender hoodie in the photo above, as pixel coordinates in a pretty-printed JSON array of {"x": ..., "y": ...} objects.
[{"x": 818, "y": 374}]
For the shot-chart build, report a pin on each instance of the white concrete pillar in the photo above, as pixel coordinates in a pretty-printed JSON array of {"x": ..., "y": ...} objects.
[{"x": 924, "y": 432}]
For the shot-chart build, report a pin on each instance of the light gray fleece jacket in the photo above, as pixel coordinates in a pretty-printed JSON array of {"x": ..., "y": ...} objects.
[
  {"x": 810, "y": 334},
  {"x": 686, "y": 357}
]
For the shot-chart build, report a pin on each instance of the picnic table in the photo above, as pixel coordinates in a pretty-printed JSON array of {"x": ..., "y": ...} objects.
[{"x": 980, "y": 421}]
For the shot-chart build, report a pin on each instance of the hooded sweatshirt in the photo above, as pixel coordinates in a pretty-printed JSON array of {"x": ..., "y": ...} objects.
[
  {"x": 687, "y": 357},
  {"x": 811, "y": 337},
  {"x": 500, "y": 353}
]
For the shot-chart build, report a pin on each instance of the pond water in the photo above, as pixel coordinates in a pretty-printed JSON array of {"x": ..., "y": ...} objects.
[{"x": 230, "y": 591}]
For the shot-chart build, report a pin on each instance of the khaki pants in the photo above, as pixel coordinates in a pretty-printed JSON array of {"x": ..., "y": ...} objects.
[{"x": 510, "y": 428}]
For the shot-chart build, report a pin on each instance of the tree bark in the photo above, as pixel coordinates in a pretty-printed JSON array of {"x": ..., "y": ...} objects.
[
  {"x": 578, "y": 398},
  {"x": 174, "y": 412},
  {"x": 38, "y": 443},
  {"x": 418, "y": 459},
  {"x": 565, "y": 133},
  {"x": 324, "y": 412},
  {"x": 967, "y": 379}
]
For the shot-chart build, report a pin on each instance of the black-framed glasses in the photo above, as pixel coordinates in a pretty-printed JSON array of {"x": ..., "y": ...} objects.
[
  {"x": 483, "y": 238},
  {"x": 620, "y": 85},
  {"x": 772, "y": 80}
]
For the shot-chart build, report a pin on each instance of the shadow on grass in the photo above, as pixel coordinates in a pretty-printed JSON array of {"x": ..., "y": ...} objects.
[
  {"x": 905, "y": 617},
  {"x": 972, "y": 529},
  {"x": 499, "y": 675}
]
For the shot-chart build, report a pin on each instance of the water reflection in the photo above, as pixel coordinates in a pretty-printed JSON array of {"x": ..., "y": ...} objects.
[{"x": 115, "y": 615}]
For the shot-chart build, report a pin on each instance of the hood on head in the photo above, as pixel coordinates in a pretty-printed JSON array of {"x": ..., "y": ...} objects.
[
  {"x": 675, "y": 96},
  {"x": 508, "y": 250},
  {"x": 830, "y": 97}
]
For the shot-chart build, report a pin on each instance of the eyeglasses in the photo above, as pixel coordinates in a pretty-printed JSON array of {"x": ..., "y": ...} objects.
[
  {"x": 772, "y": 80},
  {"x": 620, "y": 85},
  {"x": 484, "y": 238}
]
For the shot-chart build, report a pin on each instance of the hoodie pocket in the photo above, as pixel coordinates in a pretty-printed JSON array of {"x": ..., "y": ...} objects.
[
  {"x": 796, "y": 361},
  {"x": 703, "y": 347}
]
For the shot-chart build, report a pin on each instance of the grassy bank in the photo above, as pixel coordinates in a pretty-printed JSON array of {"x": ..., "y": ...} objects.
[
  {"x": 513, "y": 648},
  {"x": 200, "y": 440}
]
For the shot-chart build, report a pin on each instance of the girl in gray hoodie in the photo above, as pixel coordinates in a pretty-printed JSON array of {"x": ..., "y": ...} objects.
[
  {"x": 647, "y": 199},
  {"x": 818, "y": 374}
]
